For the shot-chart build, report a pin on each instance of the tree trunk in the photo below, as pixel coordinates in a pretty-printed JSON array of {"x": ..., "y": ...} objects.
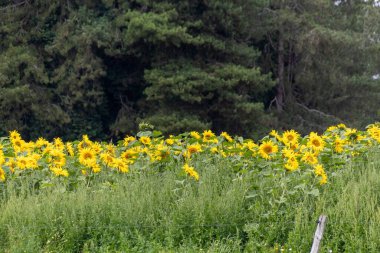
[{"x": 280, "y": 92}]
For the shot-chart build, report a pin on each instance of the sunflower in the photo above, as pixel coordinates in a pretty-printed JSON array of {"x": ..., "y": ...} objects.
[
  {"x": 58, "y": 144},
  {"x": 309, "y": 158},
  {"x": 208, "y": 135},
  {"x": 194, "y": 148},
  {"x": 145, "y": 140},
  {"x": 374, "y": 132},
  {"x": 275, "y": 134},
  {"x": 338, "y": 145},
  {"x": 195, "y": 135},
  {"x": 70, "y": 149},
  {"x": 59, "y": 171},
  {"x": 22, "y": 162},
  {"x": 226, "y": 136},
  {"x": 292, "y": 164},
  {"x": 250, "y": 145},
  {"x": 107, "y": 159},
  {"x": 87, "y": 157},
  {"x": 128, "y": 139},
  {"x": 190, "y": 171},
  {"x": 2, "y": 175},
  {"x": 169, "y": 141},
  {"x": 14, "y": 135},
  {"x": 316, "y": 142},
  {"x": 353, "y": 135},
  {"x": 267, "y": 148},
  {"x": 290, "y": 137},
  {"x": 129, "y": 154}
]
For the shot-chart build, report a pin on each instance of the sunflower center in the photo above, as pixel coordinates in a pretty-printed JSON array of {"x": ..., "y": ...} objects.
[
  {"x": 268, "y": 149},
  {"x": 316, "y": 143}
]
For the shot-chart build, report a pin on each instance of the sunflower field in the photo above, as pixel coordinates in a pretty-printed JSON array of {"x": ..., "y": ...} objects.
[
  {"x": 149, "y": 151},
  {"x": 193, "y": 192}
]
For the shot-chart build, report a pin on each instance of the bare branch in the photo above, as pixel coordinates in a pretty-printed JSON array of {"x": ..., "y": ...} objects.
[
  {"x": 319, "y": 112},
  {"x": 12, "y": 6}
]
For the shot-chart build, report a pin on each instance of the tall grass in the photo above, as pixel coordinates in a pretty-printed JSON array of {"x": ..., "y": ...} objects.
[{"x": 223, "y": 212}]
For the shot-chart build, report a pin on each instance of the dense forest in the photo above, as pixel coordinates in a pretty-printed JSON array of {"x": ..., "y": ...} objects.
[{"x": 102, "y": 67}]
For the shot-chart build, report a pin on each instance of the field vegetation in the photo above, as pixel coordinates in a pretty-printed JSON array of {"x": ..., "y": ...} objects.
[{"x": 192, "y": 192}]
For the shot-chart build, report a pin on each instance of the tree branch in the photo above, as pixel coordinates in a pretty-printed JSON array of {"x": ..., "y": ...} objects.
[
  {"x": 14, "y": 5},
  {"x": 319, "y": 112}
]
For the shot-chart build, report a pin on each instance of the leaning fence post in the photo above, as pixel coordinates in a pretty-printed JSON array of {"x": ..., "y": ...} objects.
[{"x": 319, "y": 234}]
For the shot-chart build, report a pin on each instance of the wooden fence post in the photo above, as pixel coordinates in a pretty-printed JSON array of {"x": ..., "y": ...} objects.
[{"x": 319, "y": 234}]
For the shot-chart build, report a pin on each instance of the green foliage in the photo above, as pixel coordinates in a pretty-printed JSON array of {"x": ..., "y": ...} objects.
[
  {"x": 223, "y": 212},
  {"x": 103, "y": 66}
]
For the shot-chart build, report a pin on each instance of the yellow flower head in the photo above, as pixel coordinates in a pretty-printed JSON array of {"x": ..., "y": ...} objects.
[
  {"x": 145, "y": 140},
  {"x": 316, "y": 142},
  {"x": 290, "y": 137},
  {"x": 14, "y": 135},
  {"x": 195, "y": 135},
  {"x": 190, "y": 171},
  {"x": 58, "y": 144},
  {"x": 318, "y": 170},
  {"x": 194, "y": 148},
  {"x": 309, "y": 158},
  {"x": 59, "y": 171},
  {"x": 226, "y": 136},
  {"x": 128, "y": 139},
  {"x": 2, "y": 175},
  {"x": 267, "y": 148},
  {"x": 70, "y": 149},
  {"x": 292, "y": 164},
  {"x": 87, "y": 157},
  {"x": 374, "y": 132},
  {"x": 275, "y": 134},
  {"x": 107, "y": 159},
  {"x": 208, "y": 135},
  {"x": 338, "y": 145},
  {"x": 169, "y": 141}
]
